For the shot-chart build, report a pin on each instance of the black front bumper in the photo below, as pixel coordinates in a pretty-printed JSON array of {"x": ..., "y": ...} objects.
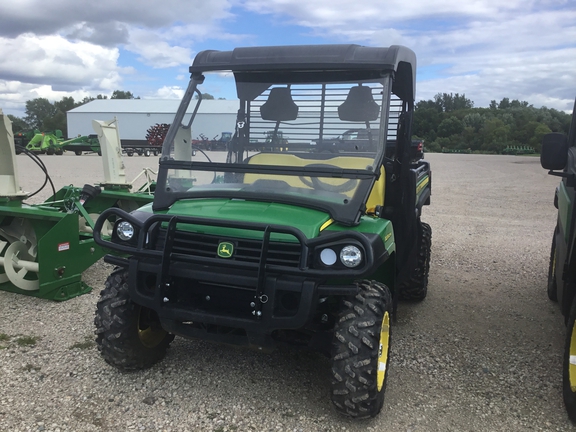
[{"x": 239, "y": 301}]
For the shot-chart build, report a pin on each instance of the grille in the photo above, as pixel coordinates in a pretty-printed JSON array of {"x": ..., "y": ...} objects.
[{"x": 245, "y": 250}]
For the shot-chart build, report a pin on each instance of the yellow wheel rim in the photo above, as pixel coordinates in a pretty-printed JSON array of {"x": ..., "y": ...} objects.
[
  {"x": 383, "y": 351},
  {"x": 150, "y": 332},
  {"x": 572, "y": 359}
]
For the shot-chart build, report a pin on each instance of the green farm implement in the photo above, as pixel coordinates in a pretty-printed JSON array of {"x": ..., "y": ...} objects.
[
  {"x": 46, "y": 142},
  {"x": 82, "y": 144},
  {"x": 518, "y": 150},
  {"x": 44, "y": 248},
  {"x": 51, "y": 143}
]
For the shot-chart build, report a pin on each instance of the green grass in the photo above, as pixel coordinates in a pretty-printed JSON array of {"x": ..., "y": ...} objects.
[
  {"x": 27, "y": 340},
  {"x": 87, "y": 344},
  {"x": 4, "y": 337},
  {"x": 30, "y": 367}
]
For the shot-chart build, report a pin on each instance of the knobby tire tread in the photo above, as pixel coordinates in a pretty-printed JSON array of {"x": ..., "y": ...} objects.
[
  {"x": 415, "y": 289},
  {"x": 116, "y": 328},
  {"x": 355, "y": 352}
]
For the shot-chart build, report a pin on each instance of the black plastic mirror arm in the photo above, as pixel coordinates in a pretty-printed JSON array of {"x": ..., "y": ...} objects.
[
  {"x": 559, "y": 174},
  {"x": 570, "y": 178}
]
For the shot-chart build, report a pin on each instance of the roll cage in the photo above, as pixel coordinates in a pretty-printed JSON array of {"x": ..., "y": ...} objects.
[{"x": 263, "y": 72}]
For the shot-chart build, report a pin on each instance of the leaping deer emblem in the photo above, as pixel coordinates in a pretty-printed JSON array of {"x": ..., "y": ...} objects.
[{"x": 225, "y": 250}]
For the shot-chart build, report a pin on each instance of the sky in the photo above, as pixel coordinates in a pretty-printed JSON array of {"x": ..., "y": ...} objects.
[{"x": 485, "y": 49}]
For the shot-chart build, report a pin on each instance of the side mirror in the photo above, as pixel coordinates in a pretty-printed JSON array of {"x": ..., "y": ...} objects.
[{"x": 554, "y": 154}]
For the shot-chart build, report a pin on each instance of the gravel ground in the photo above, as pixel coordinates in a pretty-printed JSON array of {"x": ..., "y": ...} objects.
[{"x": 482, "y": 352}]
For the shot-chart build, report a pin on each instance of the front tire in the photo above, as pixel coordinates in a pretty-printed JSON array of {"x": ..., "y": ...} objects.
[
  {"x": 415, "y": 289},
  {"x": 569, "y": 366},
  {"x": 361, "y": 351},
  {"x": 128, "y": 336},
  {"x": 552, "y": 286}
]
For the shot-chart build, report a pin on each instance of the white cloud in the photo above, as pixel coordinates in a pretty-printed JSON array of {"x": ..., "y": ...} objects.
[
  {"x": 542, "y": 79},
  {"x": 57, "y": 61},
  {"x": 157, "y": 52},
  {"x": 53, "y": 67},
  {"x": 47, "y": 17},
  {"x": 371, "y": 13},
  {"x": 487, "y": 49},
  {"x": 168, "y": 92},
  {"x": 14, "y": 94}
]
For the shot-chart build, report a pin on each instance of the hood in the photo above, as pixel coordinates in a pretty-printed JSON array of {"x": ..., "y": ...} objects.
[{"x": 307, "y": 220}]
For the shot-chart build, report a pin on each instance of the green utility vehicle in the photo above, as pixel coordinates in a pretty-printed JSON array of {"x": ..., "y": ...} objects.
[
  {"x": 559, "y": 156},
  {"x": 282, "y": 244}
]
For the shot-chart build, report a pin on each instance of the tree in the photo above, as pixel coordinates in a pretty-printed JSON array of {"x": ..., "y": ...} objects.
[
  {"x": 65, "y": 104},
  {"x": 452, "y": 102},
  {"x": 428, "y": 104},
  {"x": 56, "y": 122},
  {"x": 450, "y": 126},
  {"x": 504, "y": 104},
  {"x": 536, "y": 139},
  {"x": 46, "y": 116},
  {"x": 495, "y": 135},
  {"x": 525, "y": 132},
  {"x": 470, "y": 139},
  {"x": 119, "y": 94},
  {"x": 205, "y": 96},
  {"x": 474, "y": 120},
  {"x": 18, "y": 124},
  {"x": 426, "y": 121},
  {"x": 37, "y": 110},
  {"x": 518, "y": 104}
]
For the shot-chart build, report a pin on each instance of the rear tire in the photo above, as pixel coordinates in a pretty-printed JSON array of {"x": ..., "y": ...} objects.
[
  {"x": 415, "y": 289},
  {"x": 569, "y": 369},
  {"x": 361, "y": 351},
  {"x": 552, "y": 286},
  {"x": 128, "y": 336}
]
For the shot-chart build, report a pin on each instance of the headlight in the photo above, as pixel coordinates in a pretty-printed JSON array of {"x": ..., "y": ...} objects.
[
  {"x": 350, "y": 256},
  {"x": 328, "y": 257},
  {"x": 125, "y": 230}
]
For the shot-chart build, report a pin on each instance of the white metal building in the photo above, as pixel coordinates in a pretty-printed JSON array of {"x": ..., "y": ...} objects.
[{"x": 135, "y": 116}]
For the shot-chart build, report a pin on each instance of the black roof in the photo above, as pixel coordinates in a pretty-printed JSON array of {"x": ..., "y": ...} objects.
[{"x": 337, "y": 60}]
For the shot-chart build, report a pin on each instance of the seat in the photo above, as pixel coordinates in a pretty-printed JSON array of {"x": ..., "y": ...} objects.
[
  {"x": 279, "y": 106},
  {"x": 359, "y": 105},
  {"x": 286, "y": 159}
]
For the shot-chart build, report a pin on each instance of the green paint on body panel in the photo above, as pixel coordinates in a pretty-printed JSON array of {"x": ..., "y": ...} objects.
[{"x": 306, "y": 220}]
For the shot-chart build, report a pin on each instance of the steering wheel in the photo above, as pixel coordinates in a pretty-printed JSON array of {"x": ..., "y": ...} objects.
[{"x": 316, "y": 183}]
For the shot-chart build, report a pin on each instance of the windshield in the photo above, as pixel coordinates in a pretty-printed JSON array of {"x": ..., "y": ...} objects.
[{"x": 316, "y": 145}]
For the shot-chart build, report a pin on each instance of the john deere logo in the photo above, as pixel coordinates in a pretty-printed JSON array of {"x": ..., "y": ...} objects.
[{"x": 225, "y": 250}]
